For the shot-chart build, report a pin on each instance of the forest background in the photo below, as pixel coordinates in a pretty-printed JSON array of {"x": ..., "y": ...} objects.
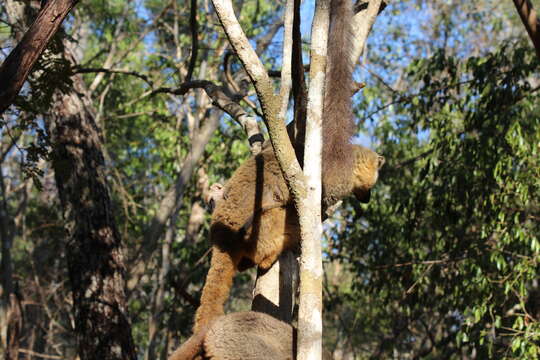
[{"x": 443, "y": 263}]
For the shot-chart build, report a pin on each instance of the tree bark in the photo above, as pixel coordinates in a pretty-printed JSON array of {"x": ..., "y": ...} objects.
[
  {"x": 309, "y": 208},
  {"x": 158, "y": 301},
  {"x": 8, "y": 330},
  {"x": 94, "y": 250},
  {"x": 20, "y": 61},
  {"x": 530, "y": 21},
  {"x": 270, "y": 102},
  {"x": 14, "y": 327},
  {"x": 275, "y": 290},
  {"x": 362, "y": 23}
]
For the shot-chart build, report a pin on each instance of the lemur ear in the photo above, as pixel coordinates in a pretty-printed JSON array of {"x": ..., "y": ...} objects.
[{"x": 381, "y": 161}]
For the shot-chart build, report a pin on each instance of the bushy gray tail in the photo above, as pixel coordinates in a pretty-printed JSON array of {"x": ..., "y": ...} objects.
[{"x": 338, "y": 124}]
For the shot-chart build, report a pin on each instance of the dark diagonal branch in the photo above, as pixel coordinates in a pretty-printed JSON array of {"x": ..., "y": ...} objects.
[
  {"x": 21, "y": 60},
  {"x": 530, "y": 21}
]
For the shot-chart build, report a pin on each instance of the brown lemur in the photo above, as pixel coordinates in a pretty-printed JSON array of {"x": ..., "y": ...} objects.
[
  {"x": 240, "y": 336},
  {"x": 256, "y": 220}
]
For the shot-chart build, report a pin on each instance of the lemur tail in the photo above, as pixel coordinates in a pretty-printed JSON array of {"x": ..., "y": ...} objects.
[
  {"x": 338, "y": 123},
  {"x": 191, "y": 348},
  {"x": 216, "y": 288}
]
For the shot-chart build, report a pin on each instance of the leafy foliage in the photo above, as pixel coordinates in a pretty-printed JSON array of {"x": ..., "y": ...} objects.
[{"x": 450, "y": 247}]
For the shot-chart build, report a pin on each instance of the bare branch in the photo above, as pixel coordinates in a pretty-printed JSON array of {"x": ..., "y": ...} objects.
[
  {"x": 80, "y": 70},
  {"x": 194, "y": 28},
  {"x": 241, "y": 89},
  {"x": 362, "y": 24},
  {"x": 247, "y": 55},
  {"x": 225, "y": 103},
  {"x": 266, "y": 40},
  {"x": 269, "y": 101},
  {"x": 169, "y": 203},
  {"x": 122, "y": 55},
  {"x": 39, "y": 355},
  {"x": 275, "y": 289}
]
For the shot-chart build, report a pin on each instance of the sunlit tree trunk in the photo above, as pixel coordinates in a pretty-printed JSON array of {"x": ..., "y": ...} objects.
[{"x": 311, "y": 272}]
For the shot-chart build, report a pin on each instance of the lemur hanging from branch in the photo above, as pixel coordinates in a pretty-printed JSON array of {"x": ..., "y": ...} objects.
[{"x": 256, "y": 220}]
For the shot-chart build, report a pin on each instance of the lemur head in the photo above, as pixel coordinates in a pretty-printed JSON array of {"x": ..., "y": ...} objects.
[{"x": 366, "y": 172}]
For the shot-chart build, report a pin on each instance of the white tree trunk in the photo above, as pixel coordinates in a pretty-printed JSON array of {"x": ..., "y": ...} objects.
[{"x": 310, "y": 302}]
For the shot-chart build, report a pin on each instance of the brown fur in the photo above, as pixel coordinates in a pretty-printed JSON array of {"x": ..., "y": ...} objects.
[
  {"x": 241, "y": 336},
  {"x": 255, "y": 221},
  {"x": 192, "y": 349},
  {"x": 247, "y": 230},
  {"x": 338, "y": 124}
]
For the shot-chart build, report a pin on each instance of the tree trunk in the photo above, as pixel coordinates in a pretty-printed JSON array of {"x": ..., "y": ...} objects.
[
  {"x": 94, "y": 253},
  {"x": 14, "y": 327},
  {"x": 275, "y": 289},
  {"x": 20, "y": 61},
  {"x": 309, "y": 208},
  {"x": 158, "y": 300},
  {"x": 8, "y": 330}
]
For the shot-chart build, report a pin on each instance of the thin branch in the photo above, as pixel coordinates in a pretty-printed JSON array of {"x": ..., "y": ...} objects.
[
  {"x": 225, "y": 103},
  {"x": 194, "y": 28},
  {"x": 36, "y": 354},
  {"x": 140, "y": 113},
  {"x": 245, "y": 52},
  {"x": 414, "y": 159},
  {"x": 80, "y": 70},
  {"x": 170, "y": 201},
  {"x": 425, "y": 262},
  {"x": 228, "y": 74},
  {"x": 269, "y": 101},
  {"x": 13, "y": 138},
  {"x": 266, "y": 40},
  {"x": 380, "y": 79},
  {"x": 110, "y": 62},
  {"x": 118, "y": 36},
  {"x": 241, "y": 90}
]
